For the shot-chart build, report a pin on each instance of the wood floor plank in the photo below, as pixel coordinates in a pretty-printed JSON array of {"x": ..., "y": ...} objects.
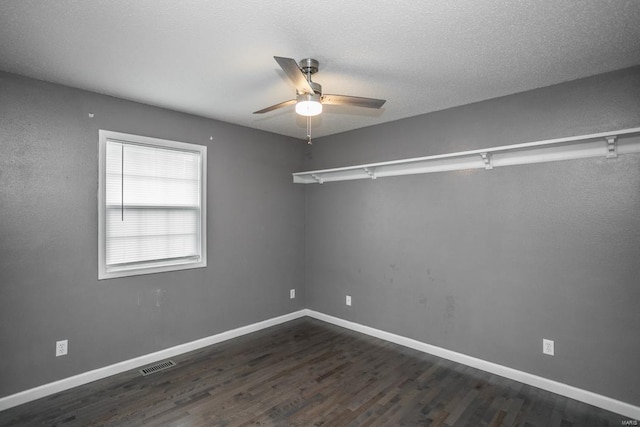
[{"x": 307, "y": 373}]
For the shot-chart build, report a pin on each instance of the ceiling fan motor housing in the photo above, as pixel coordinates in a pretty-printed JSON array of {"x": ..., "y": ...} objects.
[{"x": 317, "y": 87}]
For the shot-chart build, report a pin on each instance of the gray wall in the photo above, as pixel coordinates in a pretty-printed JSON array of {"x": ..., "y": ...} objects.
[
  {"x": 48, "y": 236},
  {"x": 488, "y": 263}
]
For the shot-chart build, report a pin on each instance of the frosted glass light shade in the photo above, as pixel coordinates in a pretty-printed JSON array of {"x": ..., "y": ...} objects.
[{"x": 308, "y": 105}]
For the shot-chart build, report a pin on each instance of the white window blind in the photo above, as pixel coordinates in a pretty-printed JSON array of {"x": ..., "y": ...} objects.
[{"x": 153, "y": 205}]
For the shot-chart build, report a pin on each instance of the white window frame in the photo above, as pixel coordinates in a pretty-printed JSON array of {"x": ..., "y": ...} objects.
[{"x": 104, "y": 272}]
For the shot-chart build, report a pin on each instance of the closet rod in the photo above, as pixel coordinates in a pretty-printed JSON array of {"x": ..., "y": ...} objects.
[{"x": 603, "y": 144}]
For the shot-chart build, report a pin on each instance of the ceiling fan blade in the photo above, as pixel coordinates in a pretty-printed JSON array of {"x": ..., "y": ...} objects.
[
  {"x": 355, "y": 101},
  {"x": 291, "y": 69},
  {"x": 276, "y": 106}
]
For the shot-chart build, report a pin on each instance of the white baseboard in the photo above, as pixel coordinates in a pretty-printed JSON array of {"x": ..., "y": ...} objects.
[
  {"x": 100, "y": 373},
  {"x": 575, "y": 393},
  {"x": 585, "y": 396}
]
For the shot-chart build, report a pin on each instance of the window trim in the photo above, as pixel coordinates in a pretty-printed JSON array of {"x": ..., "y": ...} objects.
[{"x": 103, "y": 137}]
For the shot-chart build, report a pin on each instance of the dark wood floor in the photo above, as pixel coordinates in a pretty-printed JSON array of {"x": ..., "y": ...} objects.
[{"x": 306, "y": 373}]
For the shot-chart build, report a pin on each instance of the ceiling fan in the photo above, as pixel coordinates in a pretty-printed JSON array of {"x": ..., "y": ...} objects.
[{"x": 309, "y": 97}]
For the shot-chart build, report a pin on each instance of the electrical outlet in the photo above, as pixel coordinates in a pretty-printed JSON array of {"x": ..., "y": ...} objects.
[
  {"x": 348, "y": 301},
  {"x": 62, "y": 347},
  {"x": 548, "y": 347},
  {"x": 292, "y": 293}
]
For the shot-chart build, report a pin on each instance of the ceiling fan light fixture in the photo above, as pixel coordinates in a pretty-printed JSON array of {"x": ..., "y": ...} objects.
[{"x": 308, "y": 104}]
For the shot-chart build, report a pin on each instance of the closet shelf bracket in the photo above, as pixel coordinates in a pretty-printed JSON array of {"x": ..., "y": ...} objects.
[
  {"x": 612, "y": 147},
  {"x": 371, "y": 172},
  {"x": 486, "y": 158}
]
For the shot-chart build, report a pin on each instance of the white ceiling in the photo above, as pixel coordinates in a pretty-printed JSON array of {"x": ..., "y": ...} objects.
[{"x": 215, "y": 58}]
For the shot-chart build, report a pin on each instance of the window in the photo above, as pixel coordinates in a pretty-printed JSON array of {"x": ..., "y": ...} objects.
[{"x": 152, "y": 205}]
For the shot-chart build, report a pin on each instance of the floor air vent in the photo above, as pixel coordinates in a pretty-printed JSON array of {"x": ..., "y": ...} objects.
[{"x": 157, "y": 367}]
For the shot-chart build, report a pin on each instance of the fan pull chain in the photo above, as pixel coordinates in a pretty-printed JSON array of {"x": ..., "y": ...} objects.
[{"x": 308, "y": 117}]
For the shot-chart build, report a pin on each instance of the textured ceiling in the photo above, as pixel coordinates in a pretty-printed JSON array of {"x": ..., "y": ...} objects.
[{"x": 215, "y": 58}]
